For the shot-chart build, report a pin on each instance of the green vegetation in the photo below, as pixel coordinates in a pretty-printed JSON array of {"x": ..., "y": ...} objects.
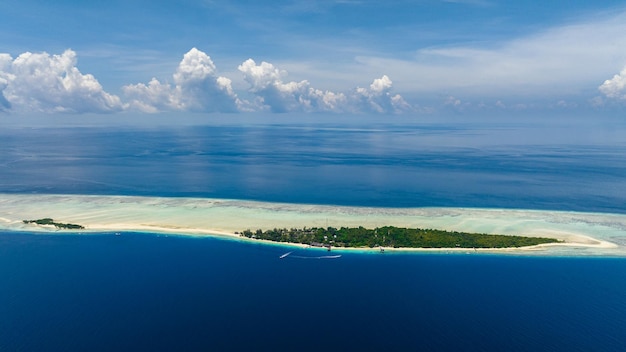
[
  {"x": 59, "y": 225},
  {"x": 396, "y": 237}
]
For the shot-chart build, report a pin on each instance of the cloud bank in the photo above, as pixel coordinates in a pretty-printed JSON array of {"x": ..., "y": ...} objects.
[
  {"x": 42, "y": 82},
  {"x": 51, "y": 83},
  {"x": 266, "y": 84}
]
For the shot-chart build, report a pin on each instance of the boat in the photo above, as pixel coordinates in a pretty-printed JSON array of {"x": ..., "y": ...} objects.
[{"x": 284, "y": 255}]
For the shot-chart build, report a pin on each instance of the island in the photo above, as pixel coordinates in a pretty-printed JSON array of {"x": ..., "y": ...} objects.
[
  {"x": 393, "y": 237},
  {"x": 572, "y": 233},
  {"x": 58, "y": 225}
]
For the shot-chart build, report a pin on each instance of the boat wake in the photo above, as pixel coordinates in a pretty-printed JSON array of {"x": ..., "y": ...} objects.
[{"x": 306, "y": 257}]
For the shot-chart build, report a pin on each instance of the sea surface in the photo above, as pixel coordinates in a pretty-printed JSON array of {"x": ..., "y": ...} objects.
[
  {"x": 137, "y": 291},
  {"x": 540, "y": 165}
]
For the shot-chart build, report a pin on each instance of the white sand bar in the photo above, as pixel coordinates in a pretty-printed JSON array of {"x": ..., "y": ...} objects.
[{"x": 584, "y": 234}]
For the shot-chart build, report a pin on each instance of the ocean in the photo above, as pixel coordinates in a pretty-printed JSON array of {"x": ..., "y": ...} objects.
[
  {"x": 146, "y": 292},
  {"x": 541, "y": 165},
  {"x": 142, "y": 291}
]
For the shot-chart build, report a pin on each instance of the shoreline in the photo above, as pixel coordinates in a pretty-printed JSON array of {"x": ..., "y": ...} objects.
[
  {"x": 583, "y": 233},
  {"x": 584, "y": 241},
  {"x": 202, "y": 233}
]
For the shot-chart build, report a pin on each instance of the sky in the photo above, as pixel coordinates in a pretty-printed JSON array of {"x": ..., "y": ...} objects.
[{"x": 416, "y": 57}]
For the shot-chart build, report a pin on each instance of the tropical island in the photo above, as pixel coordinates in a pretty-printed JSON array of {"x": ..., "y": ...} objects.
[
  {"x": 570, "y": 233},
  {"x": 393, "y": 237},
  {"x": 58, "y": 225}
]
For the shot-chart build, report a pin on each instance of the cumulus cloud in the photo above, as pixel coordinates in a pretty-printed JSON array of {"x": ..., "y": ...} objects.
[
  {"x": 378, "y": 97},
  {"x": 273, "y": 94},
  {"x": 152, "y": 97},
  {"x": 51, "y": 83},
  {"x": 196, "y": 88},
  {"x": 615, "y": 88},
  {"x": 266, "y": 83}
]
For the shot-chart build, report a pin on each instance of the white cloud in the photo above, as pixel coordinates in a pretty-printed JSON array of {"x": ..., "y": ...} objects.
[
  {"x": 266, "y": 83},
  {"x": 51, "y": 83},
  {"x": 196, "y": 88},
  {"x": 273, "y": 94},
  {"x": 152, "y": 97},
  {"x": 615, "y": 88},
  {"x": 379, "y": 98}
]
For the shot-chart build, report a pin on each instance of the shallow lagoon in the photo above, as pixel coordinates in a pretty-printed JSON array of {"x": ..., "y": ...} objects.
[{"x": 584, "y": 234}]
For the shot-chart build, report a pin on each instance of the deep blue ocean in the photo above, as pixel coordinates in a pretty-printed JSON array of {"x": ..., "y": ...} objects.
[{"x": 148, "y": 292}]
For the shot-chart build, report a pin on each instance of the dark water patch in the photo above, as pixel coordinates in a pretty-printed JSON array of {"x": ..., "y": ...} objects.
[{"x": 141, "y": 291}]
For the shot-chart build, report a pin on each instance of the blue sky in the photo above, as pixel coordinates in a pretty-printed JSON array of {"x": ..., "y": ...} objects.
[{"x": 346, "y": 56}]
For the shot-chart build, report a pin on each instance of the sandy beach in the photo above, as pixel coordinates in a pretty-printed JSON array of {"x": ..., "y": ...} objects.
[{"x": 582, "y": 234}]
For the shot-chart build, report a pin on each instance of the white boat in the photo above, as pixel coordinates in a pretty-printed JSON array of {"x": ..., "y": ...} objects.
[{"x": 284, "y": 255}]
